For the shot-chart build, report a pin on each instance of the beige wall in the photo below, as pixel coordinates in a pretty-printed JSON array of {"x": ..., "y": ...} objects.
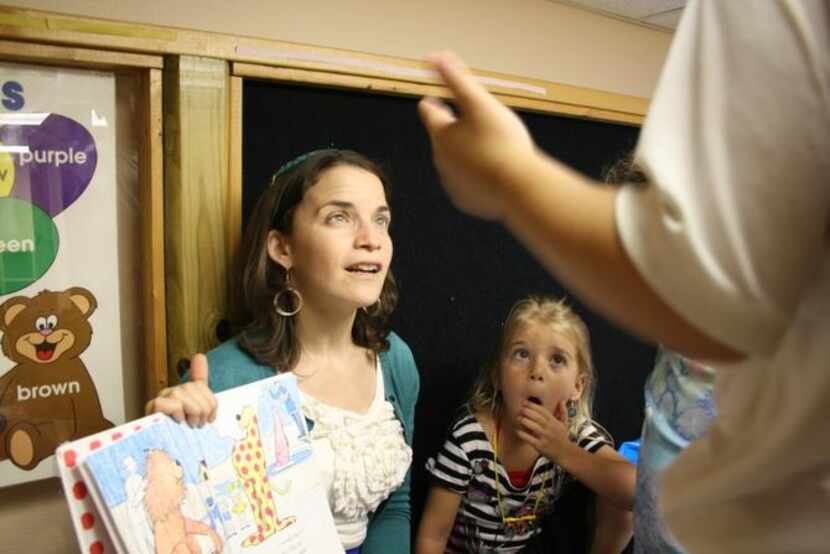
[
  {"x": 34, "y": 518},
  {"x": 529, "y": 38}
]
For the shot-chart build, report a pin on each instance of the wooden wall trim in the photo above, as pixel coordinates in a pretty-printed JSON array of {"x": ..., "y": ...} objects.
[
  {"x": 24, "y": 52},
  {"x": 581, "y": 109},
  {"x": 33, "y": 25},
  {"x": 151, "y": 204},
  {"x": 196, "y": 195},
  {"x": 233, "y": 215}
]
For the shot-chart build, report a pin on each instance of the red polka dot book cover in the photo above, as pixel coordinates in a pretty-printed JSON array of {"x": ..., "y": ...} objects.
[{"x": 246, "y": 482}]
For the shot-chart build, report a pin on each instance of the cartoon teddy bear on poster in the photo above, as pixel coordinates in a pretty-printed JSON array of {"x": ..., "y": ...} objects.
[{"x": 49, "y": 396}]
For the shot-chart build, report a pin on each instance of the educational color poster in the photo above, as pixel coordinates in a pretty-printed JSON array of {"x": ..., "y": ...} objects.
[{"x": 60, "y": 325}]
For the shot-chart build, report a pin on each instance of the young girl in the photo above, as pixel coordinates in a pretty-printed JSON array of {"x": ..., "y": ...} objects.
[
  {"x": 527, "y": 424},
  {"x": 317, "y": 295}
]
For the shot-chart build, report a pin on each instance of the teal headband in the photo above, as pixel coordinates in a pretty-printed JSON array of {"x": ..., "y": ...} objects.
[
  {"x": 291, "y": 164},
  {"x": 285, "y": 168}
]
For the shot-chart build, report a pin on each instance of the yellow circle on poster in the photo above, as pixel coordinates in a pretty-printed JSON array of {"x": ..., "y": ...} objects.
[{"x": 6, "y": 174}]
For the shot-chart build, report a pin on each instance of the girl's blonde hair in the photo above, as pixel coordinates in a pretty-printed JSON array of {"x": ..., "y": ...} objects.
[{"x": 562, "y": 320}]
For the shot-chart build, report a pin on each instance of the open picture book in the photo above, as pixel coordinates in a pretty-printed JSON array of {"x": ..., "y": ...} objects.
[{"x": 243, "y": 483}]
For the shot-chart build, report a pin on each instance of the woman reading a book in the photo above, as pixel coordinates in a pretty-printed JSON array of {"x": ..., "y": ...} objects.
[{"x": 316, "y": 294}]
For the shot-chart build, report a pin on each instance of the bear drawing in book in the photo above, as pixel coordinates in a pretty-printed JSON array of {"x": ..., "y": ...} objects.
[{"x": 48, "y": 397}]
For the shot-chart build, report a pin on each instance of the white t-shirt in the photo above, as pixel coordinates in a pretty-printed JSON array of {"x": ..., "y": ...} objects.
[
  {"x": 361, "y": 459},
  {"x": 734, "y": 234}
]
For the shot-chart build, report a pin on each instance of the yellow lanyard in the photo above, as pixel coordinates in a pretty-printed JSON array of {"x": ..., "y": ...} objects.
[{"x": 540, "y": 493}]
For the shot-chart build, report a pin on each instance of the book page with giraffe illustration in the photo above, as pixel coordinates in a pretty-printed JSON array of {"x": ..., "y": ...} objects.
[{"x": 243, "y": 483}]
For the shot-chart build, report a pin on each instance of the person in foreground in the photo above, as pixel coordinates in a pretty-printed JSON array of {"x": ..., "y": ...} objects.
[
  {"x": 679, "y": 407},
  {"x": 526, "y": 429},
  {"x": 317, "y": 294},
  {"x": 735, "y": 151}
]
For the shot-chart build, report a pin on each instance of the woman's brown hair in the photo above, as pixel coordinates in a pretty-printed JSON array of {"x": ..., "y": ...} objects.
[{"x": 267, "y": 336}]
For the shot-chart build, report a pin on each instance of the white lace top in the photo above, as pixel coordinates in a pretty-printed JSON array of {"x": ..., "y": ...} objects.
[{"x": 362, "y": 458}]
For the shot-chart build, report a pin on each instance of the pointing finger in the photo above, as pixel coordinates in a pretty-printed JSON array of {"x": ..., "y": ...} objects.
[
  {"x": 435, "y": 114},
  {"x": 465, "y": 88}
]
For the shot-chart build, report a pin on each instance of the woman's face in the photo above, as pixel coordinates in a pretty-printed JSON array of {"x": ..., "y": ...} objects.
[
  {"x": 339, "y": 249},
  {"x": 541, "y": 366}
]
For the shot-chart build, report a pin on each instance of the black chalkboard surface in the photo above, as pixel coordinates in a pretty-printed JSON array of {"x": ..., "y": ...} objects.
[{"x": 458, "y": 276}]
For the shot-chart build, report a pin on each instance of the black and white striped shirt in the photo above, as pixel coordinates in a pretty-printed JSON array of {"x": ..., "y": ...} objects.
[{"x": 465, "y": 464}]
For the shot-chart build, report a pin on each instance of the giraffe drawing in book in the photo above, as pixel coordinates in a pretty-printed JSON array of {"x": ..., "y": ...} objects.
[{"x": 250, "y": 466}]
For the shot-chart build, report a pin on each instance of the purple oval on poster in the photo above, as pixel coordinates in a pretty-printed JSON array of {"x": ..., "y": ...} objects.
[{"x": 59, "y": 164}]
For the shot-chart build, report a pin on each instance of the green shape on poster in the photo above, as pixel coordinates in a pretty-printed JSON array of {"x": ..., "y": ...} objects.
[{"x": 28, "y": 244}]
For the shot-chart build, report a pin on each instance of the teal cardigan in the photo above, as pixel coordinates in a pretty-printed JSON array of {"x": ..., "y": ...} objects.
[{"x": 389, "y": 525}]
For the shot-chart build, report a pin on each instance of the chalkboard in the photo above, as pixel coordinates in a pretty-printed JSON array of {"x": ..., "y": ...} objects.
[{"x": 458, "y": 276}]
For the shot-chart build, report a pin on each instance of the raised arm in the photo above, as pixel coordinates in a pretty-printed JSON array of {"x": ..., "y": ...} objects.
[{"x": 491, "y": 168}]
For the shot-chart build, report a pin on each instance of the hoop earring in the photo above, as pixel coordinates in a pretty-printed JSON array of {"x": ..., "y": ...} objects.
[{"x": 291, "y": 290}]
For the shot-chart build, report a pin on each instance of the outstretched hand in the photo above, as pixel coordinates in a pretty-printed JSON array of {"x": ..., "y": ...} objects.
[
  {"x": 192, "y": 401},
  {"x": 476, "y": 150}
]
